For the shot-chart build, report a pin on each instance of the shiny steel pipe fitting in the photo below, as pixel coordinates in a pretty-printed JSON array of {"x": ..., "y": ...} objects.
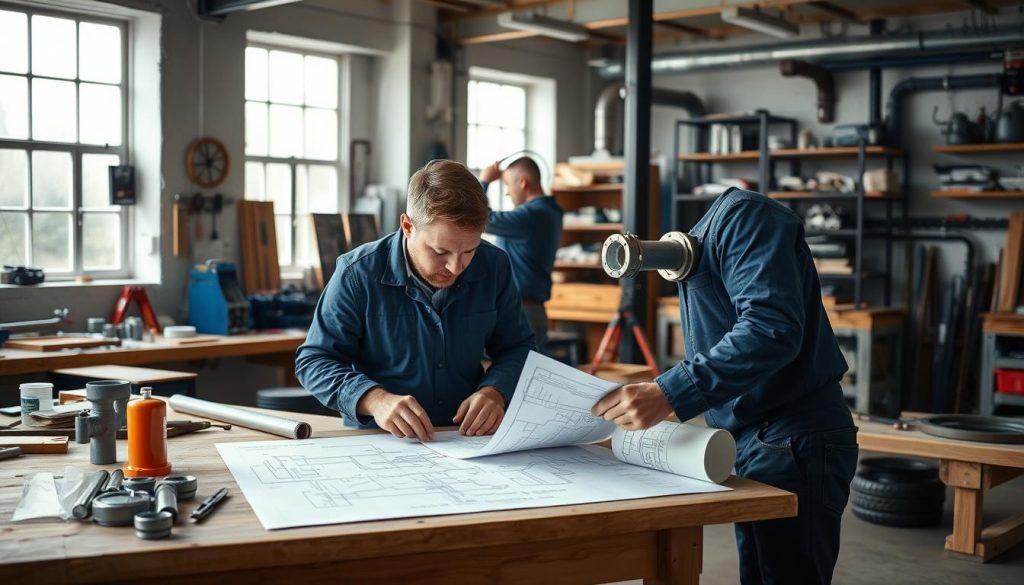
[{"x": 674, "y": 256}]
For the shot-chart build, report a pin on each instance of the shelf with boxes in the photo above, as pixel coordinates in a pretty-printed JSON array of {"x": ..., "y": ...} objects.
[{"x": 582, "y": 295}]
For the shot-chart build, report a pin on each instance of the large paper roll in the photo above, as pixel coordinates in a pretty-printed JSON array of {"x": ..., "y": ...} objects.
[
  {"x": 275, "y": 425},
  {"x": 693, "y": 451}
]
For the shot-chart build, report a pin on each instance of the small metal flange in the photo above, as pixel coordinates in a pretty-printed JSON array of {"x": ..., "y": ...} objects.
[
  {"x": 139, "y": 484},
  {"x": 691, "y": 254},
  {"x": 153, "y": 525},
  {"x": 622, "y": 255},
  {"x": 118, "y": 508},
  {"x": 185, "y": 484}
]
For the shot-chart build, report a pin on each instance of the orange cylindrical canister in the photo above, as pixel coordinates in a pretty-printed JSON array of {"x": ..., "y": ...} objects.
[{"x": 147, "y": 437}]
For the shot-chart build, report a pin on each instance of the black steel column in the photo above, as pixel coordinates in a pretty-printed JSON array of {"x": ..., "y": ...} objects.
[{"x": 636, "y": 195}]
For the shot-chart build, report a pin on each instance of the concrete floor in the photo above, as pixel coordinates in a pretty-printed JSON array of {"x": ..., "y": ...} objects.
[{"x": 878, "y": 554}]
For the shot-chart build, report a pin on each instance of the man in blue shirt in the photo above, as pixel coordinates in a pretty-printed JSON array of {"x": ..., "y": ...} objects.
[
  {"x": 402, "y": 326},
  {"x": 763, "y": 363},
  {"x": 530, "y": 234}
]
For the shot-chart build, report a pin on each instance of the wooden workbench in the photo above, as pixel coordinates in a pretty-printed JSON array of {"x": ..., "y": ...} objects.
[
  {"x": 971, "y": 468},
  {"x": 657, "y": 539},
  {"x": 272, "y": 348}
]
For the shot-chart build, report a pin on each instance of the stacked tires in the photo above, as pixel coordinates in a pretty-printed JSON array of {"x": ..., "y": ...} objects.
[{"x": 894, "y": 491}]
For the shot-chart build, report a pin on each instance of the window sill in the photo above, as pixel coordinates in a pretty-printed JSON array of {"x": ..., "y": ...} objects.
[{"x": 111, "y": 282}]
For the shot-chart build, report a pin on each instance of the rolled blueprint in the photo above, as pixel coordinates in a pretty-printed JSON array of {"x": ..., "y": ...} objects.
[
  {"x": 275, "y": 425},
  {"x": 689, "y": 450}
]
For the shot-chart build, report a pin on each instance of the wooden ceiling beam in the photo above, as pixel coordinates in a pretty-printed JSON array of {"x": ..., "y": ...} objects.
[
  {"x": 981, "y": 5},
  {"x": 833, "y": 10}
]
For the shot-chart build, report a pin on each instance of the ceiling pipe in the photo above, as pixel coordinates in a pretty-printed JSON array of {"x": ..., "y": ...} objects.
[
  {"x": 894, "y": 106},
  {"x": 822, "y": 79},
  {"x": 830, "y": 48},
  {"x": 608, "y": 112}
]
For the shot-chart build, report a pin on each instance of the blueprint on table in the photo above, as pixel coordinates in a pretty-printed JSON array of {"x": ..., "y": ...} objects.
[
  {"x": 377, "y": 477},
  {"x": 550, "y": 408}
]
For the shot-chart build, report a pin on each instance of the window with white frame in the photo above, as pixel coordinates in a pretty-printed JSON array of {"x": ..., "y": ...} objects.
[
  {"x": 63, "y": 105},
  {"x": 496, "y": 128},
  {"x": 291, "y": 142}
]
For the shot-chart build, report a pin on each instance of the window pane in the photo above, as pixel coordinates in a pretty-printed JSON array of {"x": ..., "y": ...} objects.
[
  {"x": 321, "y": 82},
  {"x": 13, "y": 42},
  {"x": 303, "y": 240},
  {"x": 489, "y": 96},
  {"x": 286, "y": 77},
  {"x": 254, "y": 181},
  {"x": 101, "y": 114},
  {"x": 285, "y": 131},
  {"x": 255, "y": 129},
  {"x": 99, "y": 52},
  {"x": 96, "y": 179},
  {"x": 13, "y": 238},
  {"x": 320, "y": 190},
  {"x": 471, "y": 109},
  {"x": 13, "y": 178},
  {"x": 101, "y": 241},
  {"x": 488, "y": 145},
  {"x": 255, "y": 74},
  {"x": 53, "y": 110},
  {"x": 51, "y": 179},
  {"x": 284, "y": 239},
  {"x": 512, "y": 140},
  {"x": 279, "y": 188},
  {"x": 51, "y": 241},
  {"x": 13, "y": 107},
  {"x": 53, "y": 47},
  {"x": 513, "y": 106},
  {"x": 321, "y": 134}
]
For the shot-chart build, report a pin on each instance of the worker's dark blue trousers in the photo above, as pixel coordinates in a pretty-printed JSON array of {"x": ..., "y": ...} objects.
[{"x": 817, "y": 466}]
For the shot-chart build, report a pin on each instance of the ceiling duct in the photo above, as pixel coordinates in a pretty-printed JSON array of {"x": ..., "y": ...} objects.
[
  {"x": 831, "y": 48},
  {"x": 225, "y": 7}
]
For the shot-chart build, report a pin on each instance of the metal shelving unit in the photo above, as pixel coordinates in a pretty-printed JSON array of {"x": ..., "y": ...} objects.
[{"x": 767, "y": 159}]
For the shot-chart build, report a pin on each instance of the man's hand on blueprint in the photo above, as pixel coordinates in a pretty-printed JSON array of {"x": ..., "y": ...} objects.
[
  {"x": 402, "y": 416},
  {"x": 481, "y": 413},
  {"x": 634, "y": 407}
]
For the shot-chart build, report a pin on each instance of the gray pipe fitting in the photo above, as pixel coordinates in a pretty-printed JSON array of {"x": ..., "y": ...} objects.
[
  {"x": 153, "y": 525},
  {"x": 98, "y": 426},
  {"x": 675, "y": 256},
  {"x": 167, "y": 499}
]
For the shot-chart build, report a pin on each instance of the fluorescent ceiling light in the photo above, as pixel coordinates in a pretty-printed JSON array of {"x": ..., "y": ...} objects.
[
  {"x": 544, "y": 26},
  {"x": 759, "y": 21}
]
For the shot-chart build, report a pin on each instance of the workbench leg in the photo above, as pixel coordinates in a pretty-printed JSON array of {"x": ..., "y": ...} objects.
[
  {"x": 680, "y": 556},
  {"x": 967, "y": 519}
]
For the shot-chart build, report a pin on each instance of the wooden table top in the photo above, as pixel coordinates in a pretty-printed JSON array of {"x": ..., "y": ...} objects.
[
  {"x": 883, "y": 438},
  {"x": 20, "y": 361},
  {"x": 233, "y": 539}
]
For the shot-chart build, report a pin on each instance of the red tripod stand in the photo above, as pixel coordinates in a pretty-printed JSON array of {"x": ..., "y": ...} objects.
[{"x": 612, "y": 337}]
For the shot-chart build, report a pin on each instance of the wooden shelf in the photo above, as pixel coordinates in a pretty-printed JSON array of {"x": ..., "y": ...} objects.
[
  {"x": 833, "y": 152},
  {"x": 561, "y": 264},
  {"x": 979, "y": 194},
  {"x": 732, "y": 156},
  {"x": 595, "y": 188},
  {"x": 978, "y": 148},
  {"x": 592, "y": 227},
  {"x": 829, "y": 195}
]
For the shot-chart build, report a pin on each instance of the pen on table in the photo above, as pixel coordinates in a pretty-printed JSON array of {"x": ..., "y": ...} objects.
[{"x": 208, "y": 505}]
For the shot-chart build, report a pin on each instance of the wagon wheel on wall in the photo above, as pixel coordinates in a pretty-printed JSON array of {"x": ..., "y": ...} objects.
[{"x": 207, "y": 162}]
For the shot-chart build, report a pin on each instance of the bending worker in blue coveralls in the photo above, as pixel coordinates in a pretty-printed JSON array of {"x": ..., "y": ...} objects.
[
  {"x": 529, "y": 234},
  {"x": 402, "y": 326},
  {"x": 763, "y": 363}
]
